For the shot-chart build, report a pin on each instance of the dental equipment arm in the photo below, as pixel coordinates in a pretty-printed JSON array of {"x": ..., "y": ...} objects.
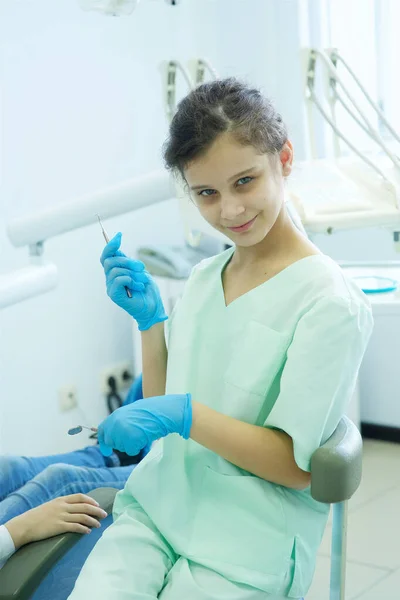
[
  {"x": 27, "y": 283},
  {"x": 335, "y": 80},
  {"x": 346, "y": 193},
  {"x": 113, "y": 201},
  {"x": 34, "y": 229}
]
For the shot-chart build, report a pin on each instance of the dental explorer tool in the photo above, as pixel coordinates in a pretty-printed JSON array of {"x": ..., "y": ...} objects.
[{"x": 128, "y": 291}]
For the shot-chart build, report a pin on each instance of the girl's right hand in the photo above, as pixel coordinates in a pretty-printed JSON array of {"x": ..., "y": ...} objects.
[
  {"x": 122, "y": 272},
  {"x": 77, "y": 513}
]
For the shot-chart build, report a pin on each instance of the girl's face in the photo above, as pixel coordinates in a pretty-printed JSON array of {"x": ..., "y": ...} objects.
[{"x": 238, "y": 191}]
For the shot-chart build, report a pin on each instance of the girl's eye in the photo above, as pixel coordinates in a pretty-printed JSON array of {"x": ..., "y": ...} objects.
[
  {"x": 206, "y": 193},
  {"x": 244, "y": 180}
]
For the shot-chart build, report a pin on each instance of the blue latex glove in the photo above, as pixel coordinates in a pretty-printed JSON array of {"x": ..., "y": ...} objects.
[
  {"x": 121, "y": 272},
  {"x": 132, "y": 427}
]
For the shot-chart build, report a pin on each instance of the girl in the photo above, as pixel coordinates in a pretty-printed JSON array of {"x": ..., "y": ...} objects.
[{"x": 263, "y": 354}]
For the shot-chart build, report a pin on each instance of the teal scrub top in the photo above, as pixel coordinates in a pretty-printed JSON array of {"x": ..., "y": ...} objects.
[{"x": 284, "y": 355}]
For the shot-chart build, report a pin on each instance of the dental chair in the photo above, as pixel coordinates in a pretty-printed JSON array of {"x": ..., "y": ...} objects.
[
  {"x": 48, "y": 569},
  {"x": 335, "y": 476}
]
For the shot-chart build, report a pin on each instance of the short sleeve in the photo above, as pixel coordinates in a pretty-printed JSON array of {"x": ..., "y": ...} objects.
[
  {"x": 7, "y": 547},
  {"x": 320, "y": 374}
]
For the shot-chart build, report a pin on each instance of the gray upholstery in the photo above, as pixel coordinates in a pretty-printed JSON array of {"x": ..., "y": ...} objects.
[
  {"x": 22, "y": 574},
  {"x": 336, "y": 467}
]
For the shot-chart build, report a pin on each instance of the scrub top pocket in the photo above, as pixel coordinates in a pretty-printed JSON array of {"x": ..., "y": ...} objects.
[{"x": 256, "y": 358}]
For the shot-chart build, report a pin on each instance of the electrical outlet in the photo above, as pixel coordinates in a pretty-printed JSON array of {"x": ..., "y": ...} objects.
[
  {"x": 67, "y": 398},
  {"x": 119, "y": 372}
]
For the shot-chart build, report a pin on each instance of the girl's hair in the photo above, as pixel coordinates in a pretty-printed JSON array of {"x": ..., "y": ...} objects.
[{"x": 225, "y": 105}]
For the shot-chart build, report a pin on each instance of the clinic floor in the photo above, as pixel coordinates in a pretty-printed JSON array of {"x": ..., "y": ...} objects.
[{"x": 373, "y": 548}]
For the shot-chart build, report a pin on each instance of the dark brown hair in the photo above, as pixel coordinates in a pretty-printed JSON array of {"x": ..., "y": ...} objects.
[{"x": 225, "y": 105}]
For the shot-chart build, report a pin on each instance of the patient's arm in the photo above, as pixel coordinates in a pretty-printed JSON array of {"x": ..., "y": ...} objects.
[
  {"x": 154, "y": 361},
  {"x": 75, "y": 513}
]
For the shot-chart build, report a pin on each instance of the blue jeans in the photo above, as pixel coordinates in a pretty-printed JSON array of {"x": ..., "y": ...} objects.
[{"x": 28, "y": 482}]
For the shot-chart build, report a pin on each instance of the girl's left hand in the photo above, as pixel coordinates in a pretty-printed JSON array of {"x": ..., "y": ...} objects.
[{"x": 132, "y": 427}]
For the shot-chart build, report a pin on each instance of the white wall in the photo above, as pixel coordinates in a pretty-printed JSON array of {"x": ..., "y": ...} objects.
[{"x": 80, "y": 95}]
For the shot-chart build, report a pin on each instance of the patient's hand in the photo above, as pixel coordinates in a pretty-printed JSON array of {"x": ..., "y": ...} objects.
[{"x": 76, "y": 513}]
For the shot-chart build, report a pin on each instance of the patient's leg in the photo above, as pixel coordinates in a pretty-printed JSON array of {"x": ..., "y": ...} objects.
[
  {"x": 15, "y": 471},
  {"x": 129, "y": 562},
  {"x": 61, "y": 480}
]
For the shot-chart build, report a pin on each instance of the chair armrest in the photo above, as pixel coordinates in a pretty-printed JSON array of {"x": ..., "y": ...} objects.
[
  {"x": 24, "y": 571},
  {"x": 336, "y": 467}
]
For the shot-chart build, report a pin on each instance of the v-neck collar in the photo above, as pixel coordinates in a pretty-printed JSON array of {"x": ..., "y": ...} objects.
[{"x": 269, "y": 281}]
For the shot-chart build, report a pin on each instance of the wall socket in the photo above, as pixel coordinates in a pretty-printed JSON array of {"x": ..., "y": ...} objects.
[
  {"x": 67, "y": 398},
  {"x": 118, "y": 371}
]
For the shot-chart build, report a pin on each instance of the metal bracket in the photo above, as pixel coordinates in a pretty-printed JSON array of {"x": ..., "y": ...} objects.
[
  {"x": 36, "y": 250},
  {"x": 312, "y": 59},
  {"x": 172, "y": 67},
  {"x": 396, "y": 241},
  {"x": 333, "y": 55},
  {"x": 199, "y": 68},
  {"x": 171, "y": 89},
  {"x": 200, "y": 72}
]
